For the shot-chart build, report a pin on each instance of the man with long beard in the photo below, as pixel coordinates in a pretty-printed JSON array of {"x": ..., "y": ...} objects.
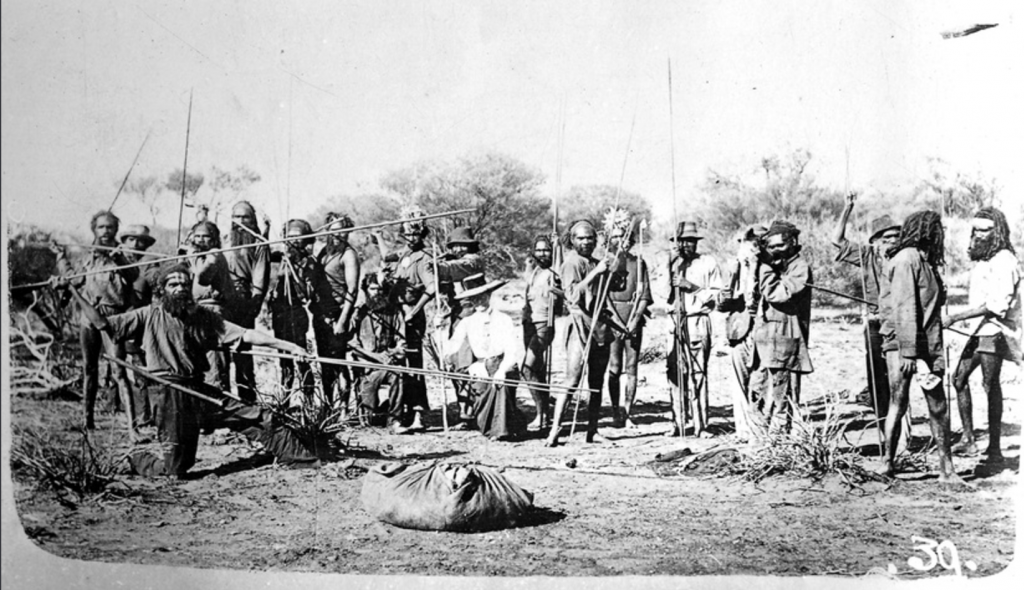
[
  {"x": 213, "y": 289},
  {"x": 110, "y": 293},
  {"x": 871, "y": 260},
  {"x": 249, "y": 270},
  {"x": 579, "y": 274},
  {"x": 994, "y": 323},
  {"x": 782, "y": 325},
  {"x": 340, "y": 262},
  {"x": 912, "y": 332},
  {"x": 175, "y": 334},
  {"x": 542, "y": 300},
  {"x": 695, "y": 284}
]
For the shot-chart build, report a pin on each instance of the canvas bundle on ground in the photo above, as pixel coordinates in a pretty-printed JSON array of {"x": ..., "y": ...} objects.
[{"x": 444, "y": 497}]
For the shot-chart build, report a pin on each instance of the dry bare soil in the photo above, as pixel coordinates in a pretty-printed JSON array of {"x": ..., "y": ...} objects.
[{"x": 611, "y": 514}]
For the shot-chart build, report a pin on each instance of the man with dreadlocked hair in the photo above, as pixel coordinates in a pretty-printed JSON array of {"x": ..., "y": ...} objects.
[
  {"x": 912, "y": 333},
  {"x": 175, "y": 333},
  {"x": 629, "y": 294},
  {"x": 579, "y": 274},
  {"x": 249, "y": 270},
  {"x": 782, "y": 325},
  {"x": 994, "y": 323}
]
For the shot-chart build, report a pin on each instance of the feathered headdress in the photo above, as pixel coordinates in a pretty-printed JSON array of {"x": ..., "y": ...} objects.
[{"x": 411, "y": 219}]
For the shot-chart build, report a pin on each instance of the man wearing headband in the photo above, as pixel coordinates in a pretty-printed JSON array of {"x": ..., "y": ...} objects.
[
  {"x": 629, "y": 294},
  {"x": 871, "y": 260},
  {"x": 579, "y": 273},
  {"x": 176, "y": 333},
  {"x": 994, "y": 322},
  {"x": 300, "y": 283},
  {"x": 414, "y": 286},
  {"x": 782, "y": 325},
  {"x": 110, "y": 293},
  {"x": 249, "y": 269},
  {"x": 340, "y": 262}
]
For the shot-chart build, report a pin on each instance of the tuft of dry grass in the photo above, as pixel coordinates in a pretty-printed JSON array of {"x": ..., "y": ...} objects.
[
  {"x": 810, "y": 449},
  {"x": 77, "y": 466}
]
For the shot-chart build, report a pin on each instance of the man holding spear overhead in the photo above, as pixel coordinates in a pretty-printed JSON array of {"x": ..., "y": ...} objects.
[
  {"x": 589, "y": 337},
  {"x": 629, "y": 294},
  {"x": 872, "y": 260},
  {"x": 695, "y": 284},
  {"x": 110, "y": 293},
  {"x": 175, "y": 334}
]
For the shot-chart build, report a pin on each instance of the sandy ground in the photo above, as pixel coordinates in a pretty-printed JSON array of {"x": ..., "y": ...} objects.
[{"x": 610, "y": 515}]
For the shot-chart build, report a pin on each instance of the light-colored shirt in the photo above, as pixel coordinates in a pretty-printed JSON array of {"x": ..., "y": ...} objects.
[
  {"x": 994, "y": 284},
  {"x": 489, "y": 333},
  {"x": 703, "y": 272}
]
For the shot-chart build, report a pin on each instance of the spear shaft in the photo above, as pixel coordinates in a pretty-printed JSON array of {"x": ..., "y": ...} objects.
[
  {"x": 129, "y": 173},
  {"x": 184, "y": 168}
]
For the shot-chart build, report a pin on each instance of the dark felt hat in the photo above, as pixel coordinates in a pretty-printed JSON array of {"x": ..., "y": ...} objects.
[
  {"x": 880, "y": 225},
  {"x": 687, "y": 230},
  {"x": 462, "y": 235},
  {"x": 474, "y": 285}
]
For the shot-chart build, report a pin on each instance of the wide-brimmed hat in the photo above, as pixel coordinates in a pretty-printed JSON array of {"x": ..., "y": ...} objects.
[
  {"x": 140, "y": 233},
  {"x": 686, "y": 230},
  {"x": 752, "y": 233},
  {"x": 880, "y": 225},
  {"x": 474, "y": 285},
  {"x": 462, "y": 235}
]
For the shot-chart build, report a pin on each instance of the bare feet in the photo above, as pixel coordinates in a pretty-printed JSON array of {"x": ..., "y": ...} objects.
[
  {"x": 595, "y": 438},
  {"x": 551, "y": 441},
  {"x": 417, "y": 422},
  {"x": 672, "y": 433},
  {"x": 965, "y": 447},
  {"x": 539, "y": 423},
  {"x": 951, "y": 479},
  {"x": 630, "y": 425},
  {"x": 888, "y": 471}
]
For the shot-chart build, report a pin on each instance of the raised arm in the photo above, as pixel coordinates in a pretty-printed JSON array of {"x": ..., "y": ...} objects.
[{"x": 839, "y": 234}]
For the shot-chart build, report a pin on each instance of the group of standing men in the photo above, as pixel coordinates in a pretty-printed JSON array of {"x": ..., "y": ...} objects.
[
  {"x": 378, "y": 322},
  {"x": 901, "y": 273}
]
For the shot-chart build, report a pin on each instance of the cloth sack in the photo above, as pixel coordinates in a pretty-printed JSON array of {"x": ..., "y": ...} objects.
[{"x": 444, "y": 497}]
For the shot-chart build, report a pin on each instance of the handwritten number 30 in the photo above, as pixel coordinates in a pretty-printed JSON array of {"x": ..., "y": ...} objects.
[{"x": 936, "y": 553}]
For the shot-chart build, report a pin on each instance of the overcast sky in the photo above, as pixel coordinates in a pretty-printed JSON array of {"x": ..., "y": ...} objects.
[{"x": 324, "y": 98}]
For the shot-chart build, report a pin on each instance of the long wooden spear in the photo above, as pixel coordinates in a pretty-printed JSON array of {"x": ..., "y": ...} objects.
[
  {"x": 184, "y": 168},
  {"x": 241, "y": 247},
  {"x": 129, "y": 173}
]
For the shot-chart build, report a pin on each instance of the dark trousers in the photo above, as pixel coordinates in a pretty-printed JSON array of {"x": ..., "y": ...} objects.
[
  {"x": 877, "y": 369},
  {"x": 92, "y": 342},
  {"x": 245, "y": 367},
  {"x": 180, "y": 417}
]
